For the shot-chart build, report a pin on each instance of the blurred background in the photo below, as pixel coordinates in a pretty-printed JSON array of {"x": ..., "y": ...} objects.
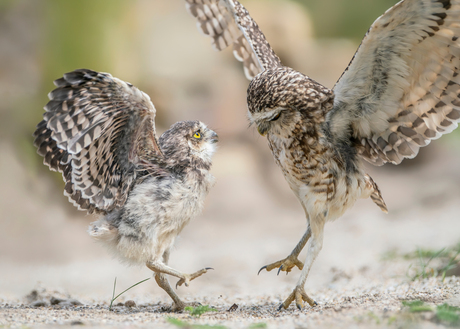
[{"x": 251, "y": 217}]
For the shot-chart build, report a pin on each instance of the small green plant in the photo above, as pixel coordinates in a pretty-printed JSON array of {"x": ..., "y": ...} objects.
[
  {"x": 258, "y": 325},
  {"x": 199, "y": 310},
  {"x": 423, "y": 269},
  {"x": 373, "y": 316},
  {"x": 416, "y": 306},
  {"x": 447, "y": 313},
  {"x": 392, "y": 320},
  {"x": 452, "y": 263},
  {"x": 187, "y": 325},
  {"x": 177, "y": 322},
  {"x": 115, "y": 286},
  {"x": 426, "y": 253},
  {"x": 444, "y": 313},
  {"x": 433, "y": 263}
]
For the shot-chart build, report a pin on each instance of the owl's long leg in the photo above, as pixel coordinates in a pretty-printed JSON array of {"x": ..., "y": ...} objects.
[
  {"x": 163, "y": 282},
  {"x": 292, "y": 260},
  {"x": 299, "y": 294}
]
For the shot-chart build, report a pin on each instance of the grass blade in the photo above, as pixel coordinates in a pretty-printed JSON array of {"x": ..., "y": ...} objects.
[{"x": 121, "y": 293}]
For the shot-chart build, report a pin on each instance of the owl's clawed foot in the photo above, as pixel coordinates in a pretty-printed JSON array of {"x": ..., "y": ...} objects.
[
  {"x": 300, "y": 296},
  {"x": 189, "y": 277},
  {"x": 285, "y": 265}
]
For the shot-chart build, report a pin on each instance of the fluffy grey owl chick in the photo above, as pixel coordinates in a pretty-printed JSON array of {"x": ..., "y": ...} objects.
[
  {"x": 99, "y": 132},
  {"x": 400, "y": 91}
]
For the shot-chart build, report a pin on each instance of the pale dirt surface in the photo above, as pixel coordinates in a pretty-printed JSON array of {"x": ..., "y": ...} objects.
[
  {"x": 47, "y": 249},
  {"x": 251, "y": 217}
]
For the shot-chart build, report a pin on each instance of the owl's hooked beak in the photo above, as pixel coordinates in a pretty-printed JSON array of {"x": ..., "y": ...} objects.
[
  {"x": 213, "y": 138},
  {"x": 262, "y": 128},
  {"x": 261, "y": 132}
]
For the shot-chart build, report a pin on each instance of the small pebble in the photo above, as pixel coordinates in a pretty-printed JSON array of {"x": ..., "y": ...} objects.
[
  {"x": 233, "y": 308},
  {"x": 130, "y": 303},
  {"x": 39, "y": 303},
  {"x": 74, "y": 302},
  {"x": 55, "y": 301}
]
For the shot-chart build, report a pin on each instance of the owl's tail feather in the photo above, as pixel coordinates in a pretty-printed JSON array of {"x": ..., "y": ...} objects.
[{"x": 376, "y": 195}]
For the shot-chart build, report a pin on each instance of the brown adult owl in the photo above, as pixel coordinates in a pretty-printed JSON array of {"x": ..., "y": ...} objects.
[
  {"x": 400, "y": 91},
  {"x": 99, "y": 132}
]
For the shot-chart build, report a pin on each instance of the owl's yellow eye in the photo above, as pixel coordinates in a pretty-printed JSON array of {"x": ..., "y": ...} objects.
[
  {"x": 276, "y": 117},
  {"x": 197, "y": 135}
]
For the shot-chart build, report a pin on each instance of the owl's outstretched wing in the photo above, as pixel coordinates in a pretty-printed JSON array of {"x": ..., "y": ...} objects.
[
  {"x": 401, "y": 90},
  {"x": 227, "y": 22},
  {"x": 98, "y": 131}
]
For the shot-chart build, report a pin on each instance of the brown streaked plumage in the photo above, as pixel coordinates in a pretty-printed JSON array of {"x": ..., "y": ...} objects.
[
  {"x": 99, "y": 132},
  {"x": 400, "y": 91}
]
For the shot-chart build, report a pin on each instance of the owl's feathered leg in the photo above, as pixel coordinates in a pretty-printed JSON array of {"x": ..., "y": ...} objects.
[
  {"x": 299, "y": 294},
  {"x": 292, "y": 260}
]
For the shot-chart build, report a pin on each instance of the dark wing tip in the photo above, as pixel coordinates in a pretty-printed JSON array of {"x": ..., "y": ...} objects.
[{"x": 79, "y": 76}]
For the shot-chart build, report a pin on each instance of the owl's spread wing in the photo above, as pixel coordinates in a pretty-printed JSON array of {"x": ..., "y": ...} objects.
[
  {"x": 98, "y": 131},
  {"x": 227, "y": 22},
  {"x": 401, "y": 89}
]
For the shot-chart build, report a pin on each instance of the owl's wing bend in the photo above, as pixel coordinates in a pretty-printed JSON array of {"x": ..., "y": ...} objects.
[
  {"x": 401, "y": 89},
  {"x": 227, "y": 22},
  {"x": 98, "y": 131}
]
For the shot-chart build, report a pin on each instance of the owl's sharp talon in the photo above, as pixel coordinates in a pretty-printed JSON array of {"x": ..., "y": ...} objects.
[
  {"x": 262, "y": 268},
  {"x": 279, "y": 270},
  {"x": 315, "y": 303},
  {"x": 185, "y": 280},
  {"x": 285, "y": 265},
  {"x": 299, "y": 296},
  {"x": 280, "y": 307}
]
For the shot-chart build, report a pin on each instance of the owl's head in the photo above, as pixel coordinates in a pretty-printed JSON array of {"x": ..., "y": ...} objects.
[
  {"x": 188, "y": 140},
  {"x": 280, "y": 98}
]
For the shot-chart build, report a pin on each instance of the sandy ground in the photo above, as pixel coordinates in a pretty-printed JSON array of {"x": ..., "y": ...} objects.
[
  {"x": 371, "y": 305},
  {"x": 245, "y": 225}
]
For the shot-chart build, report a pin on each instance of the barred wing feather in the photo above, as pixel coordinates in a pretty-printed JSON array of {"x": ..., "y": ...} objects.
[
  {"x": 227, "y": 22},
  {"x": 402, "y": 88},
  {"x": 98, "y": 131}
]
